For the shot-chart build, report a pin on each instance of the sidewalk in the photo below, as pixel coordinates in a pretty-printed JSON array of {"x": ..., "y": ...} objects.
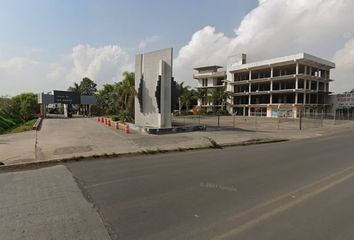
[
  {"x": 84, "y": 137},
  {"x": 40, "y": 204},
  {"x": 18, "y": 147}
]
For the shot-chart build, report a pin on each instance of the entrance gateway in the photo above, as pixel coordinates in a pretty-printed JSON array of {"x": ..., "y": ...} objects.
[{"x": 66, "y": 100}]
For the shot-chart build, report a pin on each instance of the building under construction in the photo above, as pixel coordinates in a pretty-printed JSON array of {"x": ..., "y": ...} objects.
[{"x": 279, "y": 87}]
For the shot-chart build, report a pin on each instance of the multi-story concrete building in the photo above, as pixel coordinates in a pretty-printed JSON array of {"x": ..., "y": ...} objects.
[
  {"x": 209, "y": 78},
  {"x": 278, "y": 87}
]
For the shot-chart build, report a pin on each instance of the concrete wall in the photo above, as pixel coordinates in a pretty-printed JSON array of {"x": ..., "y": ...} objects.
[{"x": 151, "y": 66}]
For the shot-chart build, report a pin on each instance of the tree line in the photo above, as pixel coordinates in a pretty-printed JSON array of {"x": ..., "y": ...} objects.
[
  {"x": 117, "y": 99},
  {"x": 17, "y": 110}
]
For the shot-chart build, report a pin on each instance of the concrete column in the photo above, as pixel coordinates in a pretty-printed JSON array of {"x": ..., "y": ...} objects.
[
  {"x": 250, "y": 75},
  {"x": 297, "y": 68},
  {"x": 304, "y": 100},
  {"x": 249, "y": 87},
  {"x": 271, "y": 72},
  {"x": 66, "y": 112},
  {"x": 249, "y": 99},
  {"x": 271, "y": 85},
  {"x": 296, "y": 83},
  {"x": 271, "y": 99},
  {"x": 317, "y": 86},
  {"x": 296, "y": 98},
  {"x": 249, "y": 111},
  {"x": 310, "y": 71},
  {"x": 305, "y": 70},
  {"x": 244, "y": 111},
  {"x": 305, "y": 83}
]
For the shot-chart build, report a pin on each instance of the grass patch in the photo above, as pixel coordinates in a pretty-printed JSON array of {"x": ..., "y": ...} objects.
[{"x": 27, "y": 126}]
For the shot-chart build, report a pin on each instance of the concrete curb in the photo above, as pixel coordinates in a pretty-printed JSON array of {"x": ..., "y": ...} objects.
[
  {"x": 47, "y": 163},
  {"x": 37, "y": 124}
]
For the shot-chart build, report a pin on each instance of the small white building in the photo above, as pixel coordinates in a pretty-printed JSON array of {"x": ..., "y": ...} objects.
[{"x": 209, "y": 78}]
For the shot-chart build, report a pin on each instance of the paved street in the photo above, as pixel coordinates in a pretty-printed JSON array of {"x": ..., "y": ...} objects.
[
  {"x": 294, "y": 190},
  {"x": 302, "y": 189}
]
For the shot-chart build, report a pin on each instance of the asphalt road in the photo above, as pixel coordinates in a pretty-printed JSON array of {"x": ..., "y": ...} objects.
[{"x": 292, "y": 190}]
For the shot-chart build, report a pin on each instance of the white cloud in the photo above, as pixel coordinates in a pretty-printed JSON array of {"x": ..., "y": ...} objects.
[
  {"x": 21, "y": 74},
  {"x": 102, "y": 65},
  {"x": 274, "y": 28},
  {"x": 152, "y": 39},
  {"x": 17, "y": 64},
  {"x": 344, "y": 72}
]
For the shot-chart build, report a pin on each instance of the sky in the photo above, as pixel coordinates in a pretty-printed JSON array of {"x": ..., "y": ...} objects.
[{"x": 47, "y": 44}]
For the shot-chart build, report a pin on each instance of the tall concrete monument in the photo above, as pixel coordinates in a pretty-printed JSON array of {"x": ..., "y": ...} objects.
[{"x": 153, "y": 84}]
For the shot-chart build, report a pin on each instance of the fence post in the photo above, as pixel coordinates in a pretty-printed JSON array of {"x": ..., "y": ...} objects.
[
  {"x": 322, "y": 119},
  {"x": 255, "y": 120},
  {"x": 218, "y": 119},
  {"x": 233, "y": 123}
]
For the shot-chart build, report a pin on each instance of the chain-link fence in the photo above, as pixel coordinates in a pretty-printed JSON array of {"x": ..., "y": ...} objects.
[{"x": 255, "y": 122}]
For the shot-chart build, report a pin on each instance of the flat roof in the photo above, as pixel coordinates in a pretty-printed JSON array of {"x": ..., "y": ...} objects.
[
  {"x": 208, "y": 67},
  {"x": 290, "y": 58}
]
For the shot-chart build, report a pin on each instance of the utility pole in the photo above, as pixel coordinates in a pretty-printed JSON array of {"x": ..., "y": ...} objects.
[
  {"x": 233, "y": 123},
  {"x": 300, "y": 120}
]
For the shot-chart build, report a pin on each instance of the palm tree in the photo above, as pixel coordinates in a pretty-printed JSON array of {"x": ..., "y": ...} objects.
[
  {"x": 201, "y": 94},
  {"x": 219, "y": 97},
  {"x": 182, "y": 92},
  {"x": 128, "y": 90},
  {"x": 187, "y": 97},
  {"x": 75, "y": 88}
]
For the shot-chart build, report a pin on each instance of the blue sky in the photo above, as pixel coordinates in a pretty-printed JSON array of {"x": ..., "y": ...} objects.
[
  {"x": 46, "y": 44},
  {"x": 55, "y": 27}
]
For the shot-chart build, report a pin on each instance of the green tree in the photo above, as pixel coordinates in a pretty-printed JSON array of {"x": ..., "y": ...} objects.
[
  {"x": 24, "y": 106},
  {"x": 105, "y": 101},
  {"x": 118, "y": 98},
  {"x": 88, "y": 87},
  {"x": 75, "y": 88},
  {"x": 219, "y": 97},
  {"x": 4, "y": 103},
  {"x": 202, "y": 94},
  {"x": 182, "y": 90},
  {"x": 352, "y": 91},
  {"x": 128, "y": 90}
]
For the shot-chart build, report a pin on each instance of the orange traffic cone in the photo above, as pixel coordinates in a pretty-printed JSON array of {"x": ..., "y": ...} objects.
[
  {"x": 98, "y": 119},
  {"x": 117, "y": 125},
  {"x": 126, "y": 129}
]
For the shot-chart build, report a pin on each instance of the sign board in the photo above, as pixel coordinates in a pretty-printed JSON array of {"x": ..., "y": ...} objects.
[
  {"x": 67, "y": 97},
  {"x": 345, "y": 100}
]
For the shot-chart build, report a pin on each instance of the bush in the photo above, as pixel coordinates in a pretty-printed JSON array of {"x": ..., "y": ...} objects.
[
  {"x": 123, "y": 116},
  {"x": 115, "y": 118},
  {"x": 17, "y": 110}
]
